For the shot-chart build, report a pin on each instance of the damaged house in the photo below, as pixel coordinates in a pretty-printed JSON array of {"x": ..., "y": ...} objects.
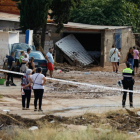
[
  {"x": 90, "y": 43},
  {"x": 80, "y": 43}
]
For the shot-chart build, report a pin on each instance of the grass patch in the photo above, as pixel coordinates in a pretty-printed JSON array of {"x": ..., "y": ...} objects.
[
  {"x": 113, "y": 125},
  {"x": 64, "y": 134}
]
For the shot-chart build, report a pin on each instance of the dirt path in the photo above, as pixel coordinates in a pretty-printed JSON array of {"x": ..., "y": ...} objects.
[{"x": 70, "y": 100}]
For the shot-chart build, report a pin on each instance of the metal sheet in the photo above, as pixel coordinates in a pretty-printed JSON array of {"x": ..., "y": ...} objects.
[{"x": 74, "y": 50}]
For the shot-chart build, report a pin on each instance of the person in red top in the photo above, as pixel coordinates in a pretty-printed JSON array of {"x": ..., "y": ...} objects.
[{"x": 26, "y": 89}]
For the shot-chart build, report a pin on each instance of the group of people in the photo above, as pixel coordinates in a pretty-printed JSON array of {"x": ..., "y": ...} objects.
[
  {"x": 32, "y": 78},
  {"x": 132, "y": 63},
  {"x": 132, "y": 58},
  {"x": 25, "y": 63},
  {"x": 38, "y": 80}
]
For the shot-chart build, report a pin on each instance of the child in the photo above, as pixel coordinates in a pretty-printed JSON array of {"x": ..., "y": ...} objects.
[
  {"x": 25, "y": 59},
  {"x": 23, "y": 66}
]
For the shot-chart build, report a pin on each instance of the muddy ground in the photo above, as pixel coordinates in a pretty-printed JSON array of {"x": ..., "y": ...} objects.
[
  {"x": 70, "y": 100},
  {"x": 123, "y": 120},
  {"x": 66, "y": 103}
]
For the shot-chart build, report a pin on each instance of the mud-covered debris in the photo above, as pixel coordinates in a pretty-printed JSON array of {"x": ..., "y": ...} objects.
[
  {"x": 138, "y": 113},
  {"x": 132, "y": 133},
  {"x": 33, "y": 128}
]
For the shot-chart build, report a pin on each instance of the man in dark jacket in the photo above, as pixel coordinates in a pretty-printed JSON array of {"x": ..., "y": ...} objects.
[{"x": 11, "y": 65}]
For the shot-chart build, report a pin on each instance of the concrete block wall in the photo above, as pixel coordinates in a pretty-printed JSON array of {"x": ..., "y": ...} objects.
[
  {"x": 128, "y": 41},
  {"x": 9, "y": 6},
  {"x": 109, "y": 40},
  {"x": 22, "y": 38},
  {"x": 8, "y": 24}
]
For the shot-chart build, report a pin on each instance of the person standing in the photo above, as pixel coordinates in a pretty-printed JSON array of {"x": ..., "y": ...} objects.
[
  {"x": 113, "y": 56},
  {"x": 31, "y": 65},
  {"x": 128, "y": 83},
  {"x": 26, "y": 86},
  {"x": 28, "y": 52},
  {"x": 50, "y": 61},
  {"x": 22, "y": 62},
  {"x": 136, "y": 60},
  {"x": 119, "y": 55},
  {"x": 11, "y": 65},
  {"x": 22, "y": 57},
  {"x": 130, "y": 57},
  {"x": 39, "y": 81}
]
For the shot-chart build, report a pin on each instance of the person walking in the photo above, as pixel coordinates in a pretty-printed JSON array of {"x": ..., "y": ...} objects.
[
  {"x": 136, "y": 60},
  {"x": 130, "y": 57},
  {"x": 128, "y": 83},
  {"x": 39, "y": 81},
  {"x": 113, "y": 56},
  {"x": 27, "y": 89},
  {"x": 50, "y": 61},
  {"x": 31, "y": 65},
  {"x": 11, "y": 65}
]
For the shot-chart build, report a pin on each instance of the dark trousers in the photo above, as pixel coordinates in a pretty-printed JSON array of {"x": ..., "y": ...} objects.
[
  {"x": 27, "y": 97},
  {"x": 38, "y": 94},
  {"x": 128, "y": 87},
  {"x": 10, "y": 75}
]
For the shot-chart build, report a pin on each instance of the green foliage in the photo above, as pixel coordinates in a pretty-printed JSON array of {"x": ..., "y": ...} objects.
[
  {"x": 107, "y": 12},
  {"x": 61, "y": 11},
  {"x": 34, "y": 13}
]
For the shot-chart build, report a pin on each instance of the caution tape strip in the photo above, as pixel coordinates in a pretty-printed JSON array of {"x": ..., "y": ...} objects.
[{"x": 77, "y": 83}]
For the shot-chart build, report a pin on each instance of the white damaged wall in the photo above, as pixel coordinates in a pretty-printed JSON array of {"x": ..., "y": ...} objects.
[{"x": 7, "y": 38}]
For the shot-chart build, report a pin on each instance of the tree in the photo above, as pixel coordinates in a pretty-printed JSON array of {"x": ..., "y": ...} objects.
[
  {"x": 107, "y": 12},
  {"x": 61, "y": 11},
  {"x": 34, "y": 13}
]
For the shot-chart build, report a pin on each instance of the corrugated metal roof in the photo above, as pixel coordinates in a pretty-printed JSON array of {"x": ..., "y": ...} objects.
[
  {"x": 13, "y": 17},
  {"x": 91, "y": 27},
  {"x": 74, "y": 50},
  {"x": 88, "y": 26}
]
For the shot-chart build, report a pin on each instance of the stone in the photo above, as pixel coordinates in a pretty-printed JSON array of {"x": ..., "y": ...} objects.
[
  {"x": 52, "y": 122},
  {"x": 138, "y": 113},
  {"x": 33, "y": 128},
  {"x": 132, "y": 133},
  {"x": 137, "y": 137}
]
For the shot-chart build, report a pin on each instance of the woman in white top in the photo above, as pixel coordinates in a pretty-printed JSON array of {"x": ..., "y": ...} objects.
[
  {"x": 113, "y": 54},
  {"x": 39, "y": 80}
]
